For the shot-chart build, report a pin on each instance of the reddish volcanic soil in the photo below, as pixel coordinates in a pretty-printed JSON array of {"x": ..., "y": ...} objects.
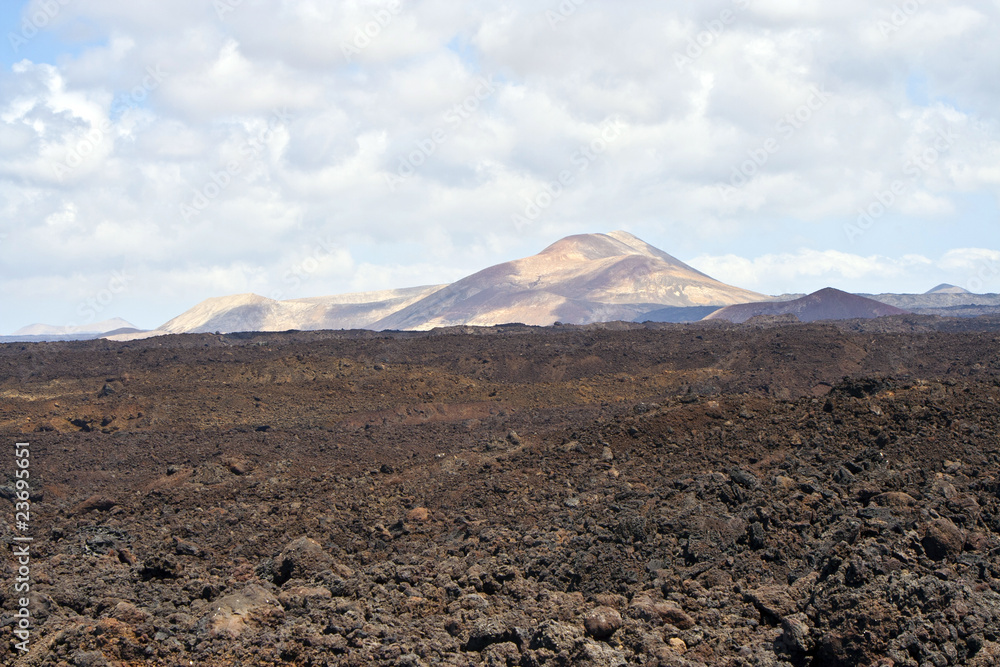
[
  {"x": 758, "y": 495},
  {"x": 826, "y": 304}
]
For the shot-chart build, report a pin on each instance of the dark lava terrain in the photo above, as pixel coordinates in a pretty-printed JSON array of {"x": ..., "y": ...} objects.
[{"x": 676, "y": 495}]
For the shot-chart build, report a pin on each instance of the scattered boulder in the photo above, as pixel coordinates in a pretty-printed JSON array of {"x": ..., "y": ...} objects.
[
  {"x": 744, "y": 478},
  {"x": 185, "y": 548},
  {"x": 675, "y": 616},
  {"x": 773, "y": 601},
  {"x": 304, "y": 558},
  {"x": 303, "y": 596},
  {"x": 593, "y": 654},
  {"x": 795, "y": 634},
  {"x": 230, "y": 614},
  {"x": 160, "y": 567},
  {"x": 504, "y": 654},
  {"x": 602, "y": 622},
  {"x": 238, "y": 466},
  {"x": 96, "y": 502},
  {"x": 489, "y": 631},
  {"x": 943, "y": 539},
  {"x": 418, "y": 515},
  {"x": 987, "y": 656},
  {"x": 894, "y": 499},
  {"x": 126, "y": 612},
  {"x": 556, "y": 637}
]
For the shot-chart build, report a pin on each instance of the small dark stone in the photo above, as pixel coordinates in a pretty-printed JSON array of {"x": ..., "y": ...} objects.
[
  {"x": 489, "y": 631},
  {"x": 756, "y": 536},
  {"x": 184, "y": 548},
  {"x": 744, "y": 478},
  {"x": 159, "y": 567}
]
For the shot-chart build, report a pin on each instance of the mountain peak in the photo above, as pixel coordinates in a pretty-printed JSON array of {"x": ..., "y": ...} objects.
[
  {"x": 828, "y": 303},
  {"x": 945, "y": 288},
  {"x": 586, "y": 246},
  {"x": 617, "y": 244}
]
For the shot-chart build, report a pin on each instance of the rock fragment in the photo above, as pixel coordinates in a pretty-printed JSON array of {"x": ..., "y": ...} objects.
[
  {"x": 943, "y": 539},
  {"x": 602, "y": 622}
]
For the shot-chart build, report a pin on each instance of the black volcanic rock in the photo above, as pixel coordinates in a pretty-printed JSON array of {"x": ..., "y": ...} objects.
[
  {"x": 666, "y": 495},
  {"x": 826, "y": 304}
]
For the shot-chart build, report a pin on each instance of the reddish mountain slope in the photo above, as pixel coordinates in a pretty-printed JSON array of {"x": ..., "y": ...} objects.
[{"x": 826, "y": 304}]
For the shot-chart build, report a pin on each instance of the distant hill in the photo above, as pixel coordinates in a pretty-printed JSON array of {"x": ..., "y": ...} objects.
[
  {"x": 677, "y": 314},
  {"x": 945, "y": 288},
  {"x": 72, "y": 330},
  {"x": 251, "y": 312},
  {"x": 936, "y": 299},
  {"x": 826, "y": 304}
]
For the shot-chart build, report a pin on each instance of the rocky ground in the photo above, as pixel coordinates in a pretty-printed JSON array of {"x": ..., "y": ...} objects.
[{"x": 765, "y": 494}]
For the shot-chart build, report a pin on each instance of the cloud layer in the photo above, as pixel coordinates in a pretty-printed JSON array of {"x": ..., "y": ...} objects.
[{"x": 304, "y": 147}]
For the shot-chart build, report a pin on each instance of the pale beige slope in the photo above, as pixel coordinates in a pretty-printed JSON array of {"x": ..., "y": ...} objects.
[
  {"x": 93, "y": 328},
  {"x": 252, "y": 312},
  {"x": 579, "y": 279}
]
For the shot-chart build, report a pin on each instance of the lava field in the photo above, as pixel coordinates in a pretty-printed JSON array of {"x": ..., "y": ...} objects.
[{"x": 766, "y": 494}]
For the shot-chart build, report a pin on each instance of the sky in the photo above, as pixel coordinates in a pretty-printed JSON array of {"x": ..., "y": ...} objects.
[{"x": 155, "y": 154}]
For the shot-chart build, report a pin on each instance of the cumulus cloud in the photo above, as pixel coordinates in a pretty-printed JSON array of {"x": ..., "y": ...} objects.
[
  {"x": 209, "y": 145},
  {"x": 809, "y": 270}
]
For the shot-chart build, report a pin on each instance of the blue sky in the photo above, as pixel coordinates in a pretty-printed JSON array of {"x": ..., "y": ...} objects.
[
  {"x": 43, "y": 47},
  {"x": 45, "y": 44},
  {"x": 156, "y": 154}
]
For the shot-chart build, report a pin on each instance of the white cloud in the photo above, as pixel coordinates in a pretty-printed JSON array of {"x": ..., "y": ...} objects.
[
  {"x": 968, "y": 259},
  {"x": 808, "y": 270}
]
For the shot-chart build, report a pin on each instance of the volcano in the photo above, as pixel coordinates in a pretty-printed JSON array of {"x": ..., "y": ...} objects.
[{"x": 826, "y": 304}]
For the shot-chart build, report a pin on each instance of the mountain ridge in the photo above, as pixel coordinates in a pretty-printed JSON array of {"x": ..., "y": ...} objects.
[{"x": 579, "y": 279}]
